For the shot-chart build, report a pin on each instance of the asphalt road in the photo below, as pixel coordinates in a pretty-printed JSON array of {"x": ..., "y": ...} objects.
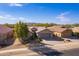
[
  {"x": 24, "y": 52},
  {"x": 72, "y": 52},
  {"x": 38, "y": 50},
  {"x": 35, "y": 52}
]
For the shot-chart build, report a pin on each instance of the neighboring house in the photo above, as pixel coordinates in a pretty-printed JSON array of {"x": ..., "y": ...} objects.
[
  {"x": 43, "y": 32},
  {"x": 54, "y": 31},
  {"x": 6, "y": 33},
  {"x": 60, "y": 32},
  {"x": 75, "y": 29}
]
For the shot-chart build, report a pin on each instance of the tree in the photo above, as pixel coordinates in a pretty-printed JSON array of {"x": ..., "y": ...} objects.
[
  {"x": 21, "y": 30},
  {"x": 9, "y": 25},
  {"x": 34, "y": 36},
  {"x": 67, "y": 26}
]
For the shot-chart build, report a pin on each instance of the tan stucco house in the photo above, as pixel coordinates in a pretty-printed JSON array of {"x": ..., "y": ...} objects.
[
  {"x": 60, "y": 32},
  {"x": 75, "y": 29},
  {"x": 76, "y": 32},
  {"x": 52, "y": 32}
]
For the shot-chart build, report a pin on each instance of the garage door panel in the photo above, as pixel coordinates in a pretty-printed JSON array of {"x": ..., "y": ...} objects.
[{"x": 45, "y": 35}]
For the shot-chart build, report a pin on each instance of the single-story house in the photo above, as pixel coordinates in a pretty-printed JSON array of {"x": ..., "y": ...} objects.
[
  {"x": 54, "y": 31},
  {"x": 6, "y": 34},
  {"x": 60, "y": 32},
  {"x": 75, "y": 29},
  {"x": 43, "y": 32}
]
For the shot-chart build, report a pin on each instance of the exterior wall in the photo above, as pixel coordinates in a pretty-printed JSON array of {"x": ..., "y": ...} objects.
[
  {"x": 45, "y": 34},
  {"x": 67, "y": 33},
  {"x": 75, "y": 30},
  {"x": 57, "y": 34}
]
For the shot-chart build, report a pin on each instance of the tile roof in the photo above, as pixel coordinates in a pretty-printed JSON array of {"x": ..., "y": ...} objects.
[
  {"x": 57, "y": 29},
  {"x": 4, "y": 29},
  {"x": 38, "y": 28}
]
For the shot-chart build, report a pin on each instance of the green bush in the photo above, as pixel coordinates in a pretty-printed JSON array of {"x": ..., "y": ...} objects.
[{"x": 21, "y": 31}]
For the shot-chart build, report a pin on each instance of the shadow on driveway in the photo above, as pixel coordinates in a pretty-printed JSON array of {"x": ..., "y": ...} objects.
[{"x": 41, "y": 49}]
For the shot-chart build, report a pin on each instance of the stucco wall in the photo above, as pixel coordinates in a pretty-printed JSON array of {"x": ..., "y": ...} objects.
[
  {"x": 67, "y": 33},
  {"x": 57, "y": 34}
]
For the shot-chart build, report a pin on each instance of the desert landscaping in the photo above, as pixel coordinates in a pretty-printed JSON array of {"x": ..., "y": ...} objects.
[
  {"x": 39, "y": 29},
  {"x": 53, "y": 42}
]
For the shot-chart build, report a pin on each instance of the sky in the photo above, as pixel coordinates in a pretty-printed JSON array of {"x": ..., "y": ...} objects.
[{"x": 60, "y": 13}]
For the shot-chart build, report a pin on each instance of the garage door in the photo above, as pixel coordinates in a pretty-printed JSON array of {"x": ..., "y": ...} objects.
[{"x": 45, "y": 35}]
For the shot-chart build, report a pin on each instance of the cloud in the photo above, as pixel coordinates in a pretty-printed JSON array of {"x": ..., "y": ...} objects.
[
  {"x": 21, "y": 18},
  {"x": 10, "y": 17},
  {"x": 7, "y": 18},
  {"x": 15, "y": 4},
  {"x": 1, "y": 17},
  {"x": 64, "y": 13},
  {"x": 63, "y": 17}
]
